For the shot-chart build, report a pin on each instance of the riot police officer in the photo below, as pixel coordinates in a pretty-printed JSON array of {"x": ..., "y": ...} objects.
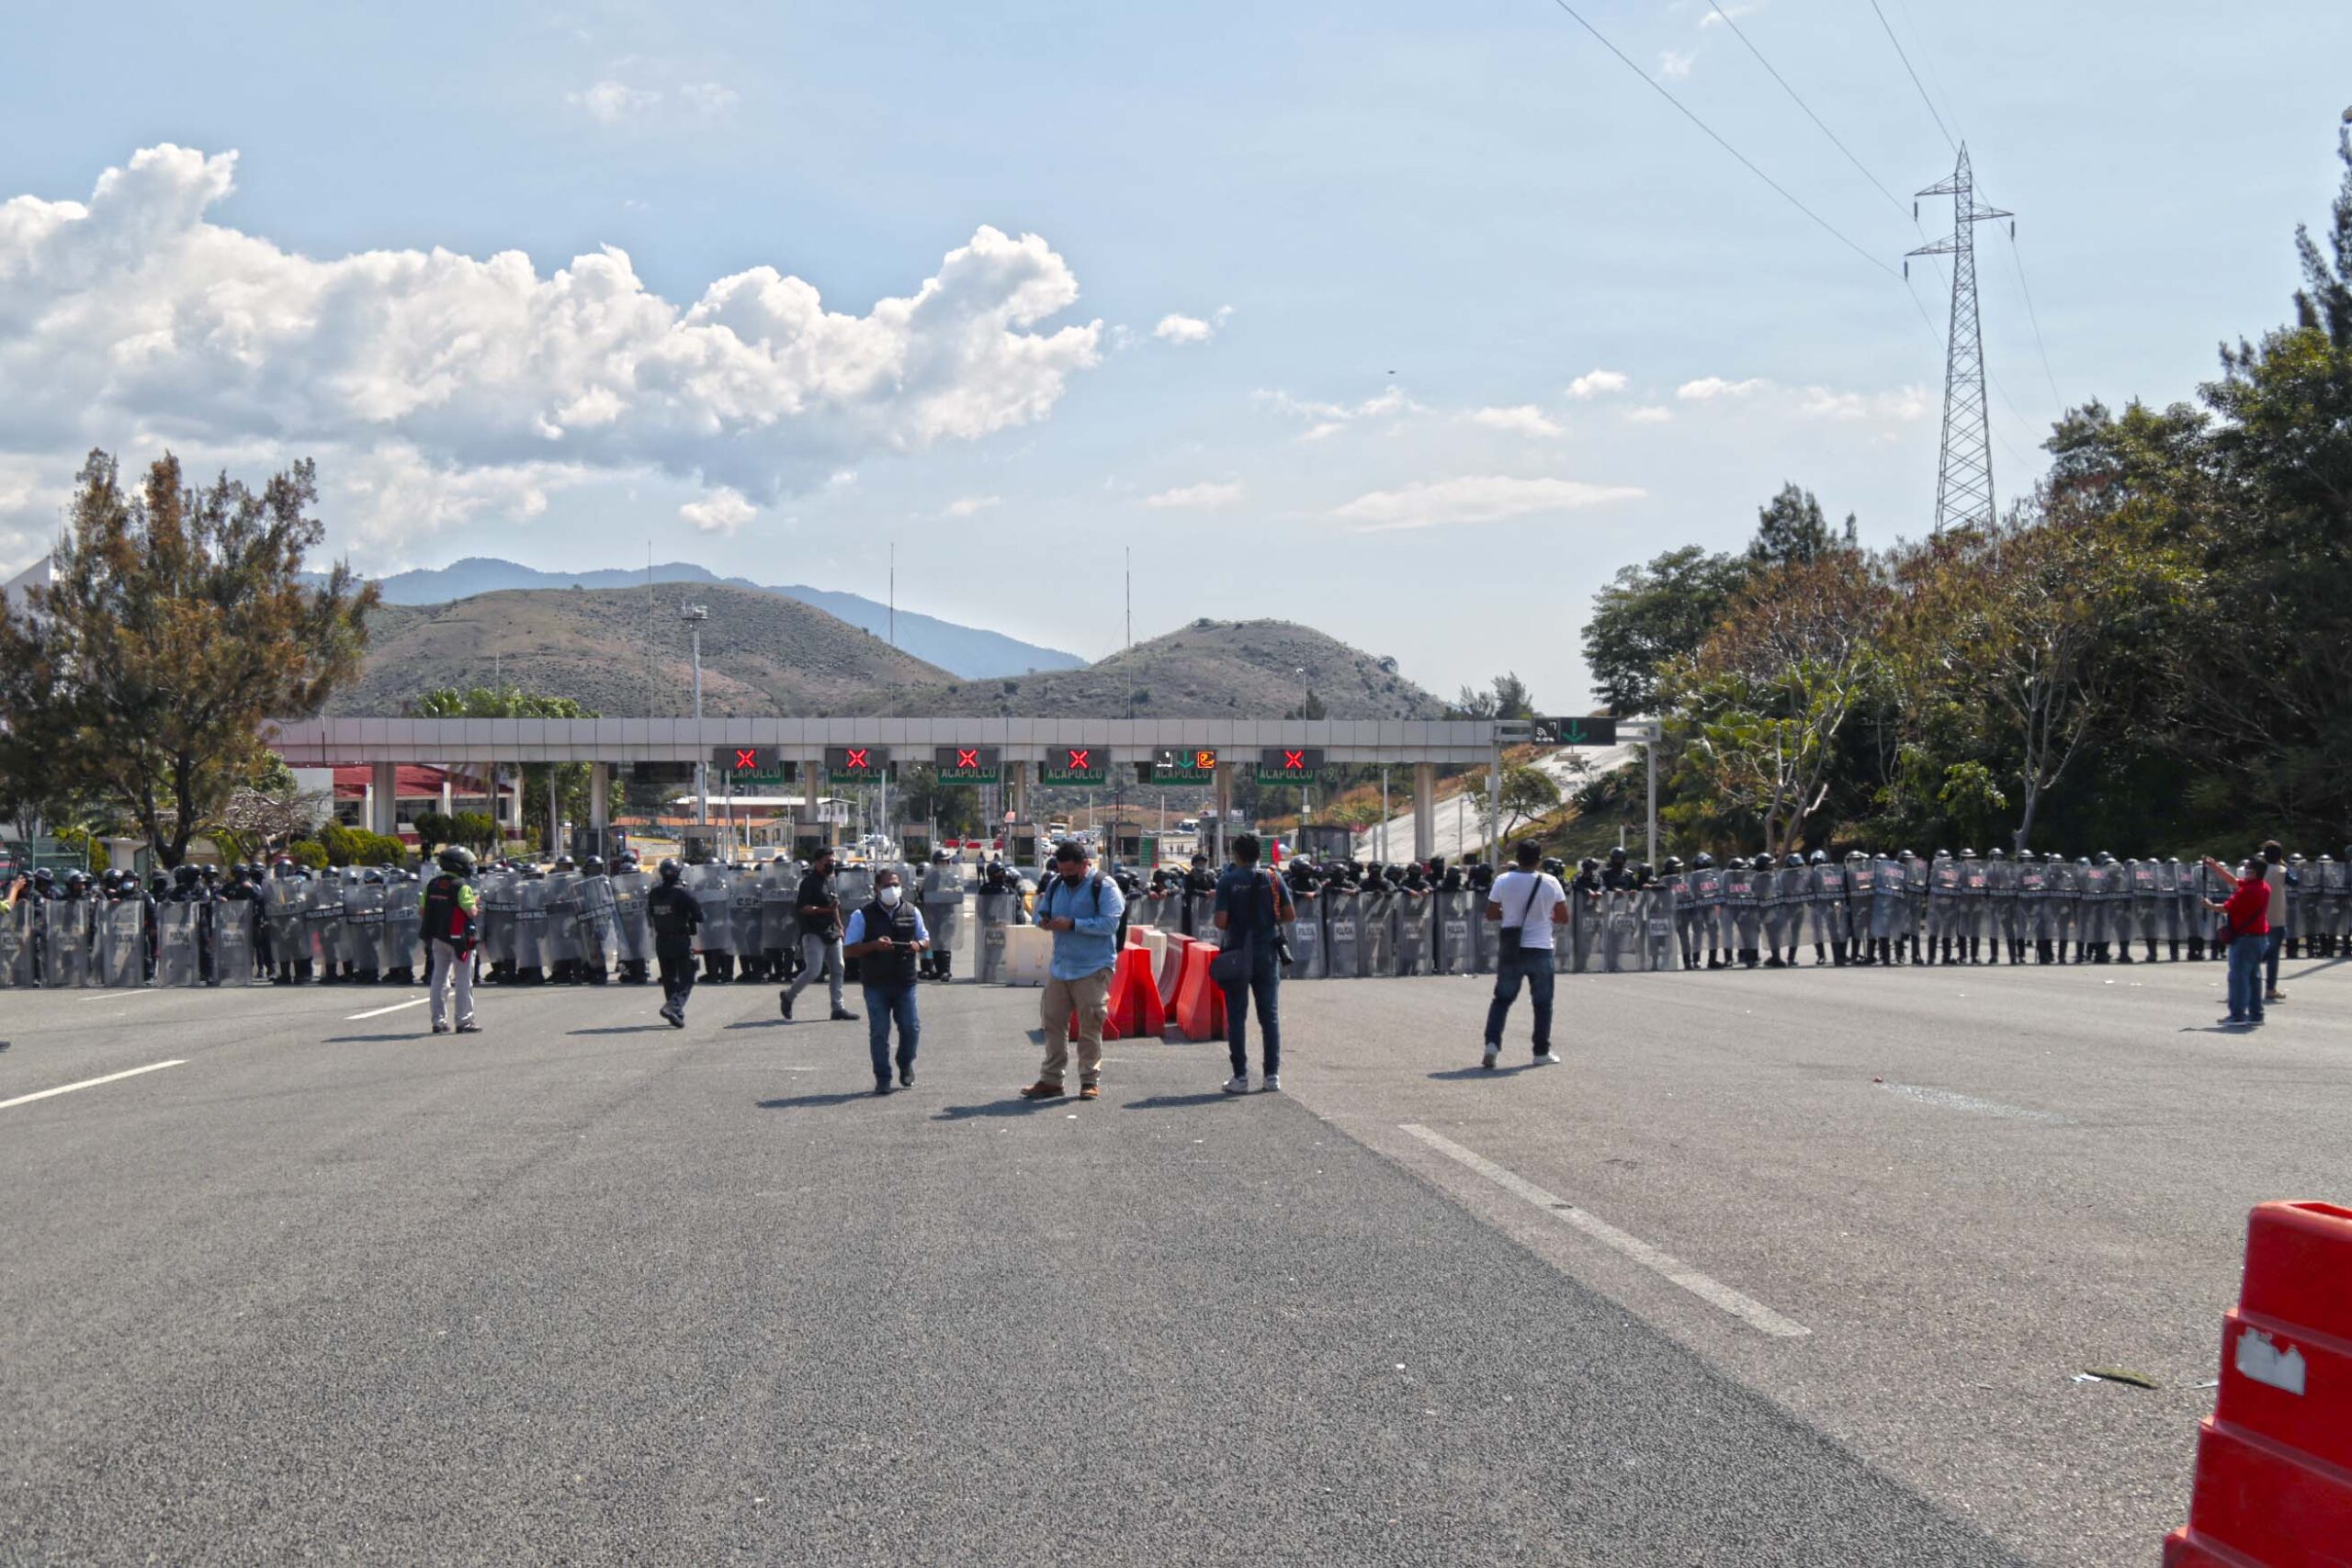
[{"x": 673, "y": 914}]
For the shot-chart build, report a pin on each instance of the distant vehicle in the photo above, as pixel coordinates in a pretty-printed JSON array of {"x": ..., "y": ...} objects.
[
  {"x": 1188, "y": 824},
  {"x": 1057, "y": 829}
]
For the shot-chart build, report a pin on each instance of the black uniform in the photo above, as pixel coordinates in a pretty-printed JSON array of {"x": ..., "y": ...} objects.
[{"x": 674, "y": 917}]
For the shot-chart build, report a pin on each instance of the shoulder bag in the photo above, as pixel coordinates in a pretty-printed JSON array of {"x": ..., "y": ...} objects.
[{"x": 1235, "y": 961}]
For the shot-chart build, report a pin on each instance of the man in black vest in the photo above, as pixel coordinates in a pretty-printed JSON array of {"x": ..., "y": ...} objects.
[
  {"x": 886, "y": 937},
  {"x": 674, "y": 917}
]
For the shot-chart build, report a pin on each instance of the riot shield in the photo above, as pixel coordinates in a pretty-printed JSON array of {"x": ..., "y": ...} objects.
[
  {"x": 854, "y": 885},
  {"x": 1975, "y": 901},
  {"x": 530, "y": 923},
  {"x": 1454, "y": 914},
  {"x": 745, "y": 919},
  {"x": 322, "y": 922},
  {"x": 122, "y": 943},
  {"x": 404, "y": 931},
  {"x": 16, "y": 952},
  {"x": 779, "y": 909},
  {"x": 559, "y": 937},
  {"x": 631, "y": 944},
  {"x": 1663, "y": 952},
  {"x": 177, "y": 936},
  {"x": 64, "y": 944},
  {"x": 712, "y": 891},
  {"x": 1890, "y": 900},
  {"x": 288, "y": 942},
  {"x": 1160, "y": 911},
  {"x": 1201, "y": 915},
  {"x": 994, "y": 913},
  {"x": 2167, "y": 902},
  {"x": 1343, "y": 934},
  {"x": 1376, "y": 935},
  {"x": 1414, "y": 914},
  {"x": 362, "y": 936},
  {"x": 1309, "y": 960},
  {"x": 495, "y": 911},
  {"x": 1824, "y": 905},
  {"x": 234, "y": 940},
  {"x": 943, "y": 906},
  {"x": 597, "y": 906}
]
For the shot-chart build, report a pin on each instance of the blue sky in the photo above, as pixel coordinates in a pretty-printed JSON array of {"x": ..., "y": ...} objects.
[{"x": 1410, "y": 321}]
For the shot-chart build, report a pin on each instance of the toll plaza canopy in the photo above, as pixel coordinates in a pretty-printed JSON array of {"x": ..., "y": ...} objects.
[{"x": 329, "y": 742}]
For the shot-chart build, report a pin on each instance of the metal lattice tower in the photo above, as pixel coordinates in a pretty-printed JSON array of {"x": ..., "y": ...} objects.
[{"x": 1964, "y": 475}]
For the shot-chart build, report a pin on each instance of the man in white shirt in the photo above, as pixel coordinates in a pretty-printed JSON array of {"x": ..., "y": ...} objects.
[{"x": 1527, "y": 904}]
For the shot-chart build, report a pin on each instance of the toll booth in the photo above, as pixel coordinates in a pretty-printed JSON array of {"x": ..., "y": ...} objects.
[
  {"x": 809, "y": 838},
  {"x": 698, "y": 845},
  {"x": 914, "y": 841},
  {"x": 1318, "y": 843},
  {"x": 1024, "y": 846}
]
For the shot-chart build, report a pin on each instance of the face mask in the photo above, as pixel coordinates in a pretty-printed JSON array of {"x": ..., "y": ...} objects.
[{"x": 890, "y": 897}]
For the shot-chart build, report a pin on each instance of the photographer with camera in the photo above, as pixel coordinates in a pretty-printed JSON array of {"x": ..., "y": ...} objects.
[
  {"x": 888, "y": 938},
  {"x": 1252, "y": 909},
  {"x": 1528, "y": 904}
]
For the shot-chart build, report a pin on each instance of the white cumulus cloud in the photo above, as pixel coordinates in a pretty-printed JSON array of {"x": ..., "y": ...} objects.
[
  {"x": 1182, "y": 330},
  {"x": 1593, "y": 383},
  {"x": 969, "y": 505},
  {"x": 1329, "y": 419},
  {"x": 1675, "y": 62},
  {"x": 1706, "y": 388},
  {"x": 1524, "y": 420},
  {"x": 1479, "y": 499},
  {"x": 610, "y": 102},
  {"x": 1203, "y": 497},
  {"x": 134, "y": 314},
  {"x": 721, "y": 511},
  {"x": 1649, "y": 413}
]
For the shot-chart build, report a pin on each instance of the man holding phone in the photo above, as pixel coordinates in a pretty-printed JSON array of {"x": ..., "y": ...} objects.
[
  {"x": 888, "y": 937},
  {"x": 1528, "y": 904}
]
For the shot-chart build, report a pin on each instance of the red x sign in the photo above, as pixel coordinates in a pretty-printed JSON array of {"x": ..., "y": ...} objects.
[
  {"x": 968, "y": 757},
  {"x": 746, "y": 761},
  {"x": 1294, "y": 761},
  {"x": 1080, "y": 761},
  {"x": 857, "y": 756}
]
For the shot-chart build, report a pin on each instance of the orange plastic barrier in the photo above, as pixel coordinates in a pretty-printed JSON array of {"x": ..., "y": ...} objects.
[
  {"x": 1172, "y": 968},
  {"x": 1136, "y": 1011},
  {"x": 1200, "y": 1002},
  {"x": 2274, "y": 1461}
]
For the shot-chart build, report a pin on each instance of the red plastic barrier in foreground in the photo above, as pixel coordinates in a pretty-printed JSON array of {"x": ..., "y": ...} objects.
[
  {"x": 1137, "y": 1012},
  {"x": 2274, "y": 1461},
  {"x": 1200, "y": 1001}
]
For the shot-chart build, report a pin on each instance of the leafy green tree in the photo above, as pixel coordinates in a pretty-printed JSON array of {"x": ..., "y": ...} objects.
[
  {"x": 1506, "y": 698},
  {"x": 513, "y": 702},
  {"x": 177, "y": 622},
  {"x": 1527, "y": 793},
  {"x": 1791, "y": 530},
  {"x": 1649, "y": 616}
]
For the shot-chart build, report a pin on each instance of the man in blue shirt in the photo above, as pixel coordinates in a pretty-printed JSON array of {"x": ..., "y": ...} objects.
[
  {"x": 1083, "y": 911},
  {"x": 886, "y": 938},
  {"x": 1252, "y": 906}
]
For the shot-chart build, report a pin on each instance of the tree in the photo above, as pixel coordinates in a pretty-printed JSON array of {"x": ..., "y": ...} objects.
[
  {"x": 1528, "y": 792},
  {"x": 1791, "y": 530},
  {"x": 1649, "y": 616},
  {"x": 178, "y": 621},
  {"x": 1506, "y": 698},
  {"x": 513, "y": 702}
]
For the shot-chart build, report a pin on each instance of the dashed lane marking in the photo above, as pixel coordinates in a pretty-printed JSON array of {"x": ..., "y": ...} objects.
[
  {"x": 1713, "y": 1292},
  {"x": 93, "y": 1083},
  {"x": 378, "y": 1012}
]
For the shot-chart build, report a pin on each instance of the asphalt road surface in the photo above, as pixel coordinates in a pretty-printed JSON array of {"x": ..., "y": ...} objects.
[{"x": 1779, "y": 1268}]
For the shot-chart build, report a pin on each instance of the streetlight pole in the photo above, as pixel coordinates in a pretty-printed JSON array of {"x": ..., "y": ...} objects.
[{"x": 694, "y": 614}]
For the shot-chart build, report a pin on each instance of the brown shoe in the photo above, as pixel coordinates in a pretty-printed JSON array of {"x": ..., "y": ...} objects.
[
  {"x": 1090, "y": 1091},
  {"x": 1044, "y": 1088}
]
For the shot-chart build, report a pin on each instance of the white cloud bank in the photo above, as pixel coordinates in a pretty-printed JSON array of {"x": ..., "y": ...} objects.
[
  {"x": 130, "y": 320},
  {"x": 615, "y": 101},
  {"x": 1899, "y": 406},
  {"x": 969, "y": 505},
  {"x": 1329, "y": 419},
  {"x": 721, "y": 511},
  {"x": 1185, "y": 330},
  {"x": 1489, "y": 498},
  {"x": 1593, "y": 383},
  {"x": 1524, "y": 420},
  {"x": 1203, "y": 497}
]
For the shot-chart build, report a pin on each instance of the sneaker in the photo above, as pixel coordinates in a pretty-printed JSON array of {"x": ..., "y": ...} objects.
[
  {"x": 1546, "y": 1059},
  {"x": 1044, "y": 1088},
  {"x": 1273, "y": 1084},
  {"x": 1494, "y": 1053},
  {"x": 1090, "y": 1091},
  {"x": 881, "y": 1086},
  {"x": 677, "y": 1019},
  {"x": 843, "y": 1015},
  {"x": 1237, "y": 1084},
  {"x": 440, "y": 1029},
  {"x": 470, "y": 1027},
  {"x": 2274, "y": 996},
  {"x": 906, "y": 1077},
  {"x": 784, "y": 999}
]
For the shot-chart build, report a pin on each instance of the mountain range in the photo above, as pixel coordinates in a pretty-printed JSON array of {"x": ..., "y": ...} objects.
[{"x": 965, "y": 652}]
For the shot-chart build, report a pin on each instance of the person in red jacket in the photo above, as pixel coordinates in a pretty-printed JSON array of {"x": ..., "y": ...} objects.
[{"x": 2248, "y": 911}]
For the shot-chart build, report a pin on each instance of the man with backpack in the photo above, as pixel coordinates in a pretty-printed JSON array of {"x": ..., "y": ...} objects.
[
  {"x": 821, "y": 938},
  {"x": 1251, "y": 909},
  {"x": 1527, "y": 904},
  {"x": 446, "y": 912},
  {"x": 1088, "y": 919}
]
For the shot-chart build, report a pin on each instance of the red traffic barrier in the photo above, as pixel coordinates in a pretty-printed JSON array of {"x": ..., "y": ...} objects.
[
  {"x": 1136, "y": 1011},
  {"x": 1172, "y": 968},
  {"x": 2274, "y": 1461},
  {"x": 1200, "y": 1001}
]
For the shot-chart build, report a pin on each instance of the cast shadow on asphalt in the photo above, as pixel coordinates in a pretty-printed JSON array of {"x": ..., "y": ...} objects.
[
  {"x": 1498, "y": 1071},
  {"x": 1181, "y": 1101},
  {"x": 1014, "y": 1107},
  {"x": 374, "y": 1039},
  {"x": 814, "y": 1101},
  {"x": 623, "y": 1029}
]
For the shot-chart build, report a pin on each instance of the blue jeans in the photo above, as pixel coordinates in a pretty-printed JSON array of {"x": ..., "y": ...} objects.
[
  {"x": 2271, "y": 944},
  {"x": 1534, "y": 965},
  {"x": 1265, "y": 984},
  {"x": 2245, "y": 977},
  {"x": 883, "y": 1004}
]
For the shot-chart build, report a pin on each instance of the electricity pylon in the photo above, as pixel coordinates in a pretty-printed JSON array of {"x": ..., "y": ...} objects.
[{"x": 1964, "y": 475}]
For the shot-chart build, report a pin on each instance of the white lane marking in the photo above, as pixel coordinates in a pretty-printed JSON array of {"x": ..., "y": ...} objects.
[
  {"x": 122, "y": 996},
  {"x": 415, "y": 1002},
  {"x": 93, "y": 1083},
  {"x": 1713, "y": 1292},
  {"x": 1950, "y": 1102}
]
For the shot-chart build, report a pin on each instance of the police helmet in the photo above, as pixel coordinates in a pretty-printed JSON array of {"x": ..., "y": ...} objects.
[
  {"x": 159, "y": 884},
  {"x": 1794, "y": 859},
  {"x": 371, "y": 877},
  {"x": 1588, "y": 864},
  {"x": 43, "y": 876},
  {"x": 1967, "y": 854},
  {"x": 1554, "y": 866},
  {"x": 1617, "y": 854},
  {"x": 1702, "y": 861},
  {"x": 2105, "y": 858},
  {"x": 184, "y": 875},
  {"x": 670, "y": 871},
  {"x": 939, "y": 857},
  {"x": 563, "y": 862},
  {"x": 457, "y": 860},
  {"x": 1674, "y": 865},
  {"x": 1765, "y": 861},
  {"x": 592, "y": 866},
  {"x": 78, "y": 880},
  {"x": 1995, "y": 854}
]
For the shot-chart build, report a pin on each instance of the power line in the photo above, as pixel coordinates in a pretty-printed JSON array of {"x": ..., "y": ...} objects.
[
  {"x": 2017, "y": 257},
  {"x": 1928, "y": 61},
  {"x": 1915, "y": 76},
  {"x": 1685, "y": 111},
  {"x": 1895, "y": 201}
]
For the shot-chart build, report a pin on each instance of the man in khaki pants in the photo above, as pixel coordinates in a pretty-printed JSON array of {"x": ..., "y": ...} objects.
[{"x": 1083, "y": 910}]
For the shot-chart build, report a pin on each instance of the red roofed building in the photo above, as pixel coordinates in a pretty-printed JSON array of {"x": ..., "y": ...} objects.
[{"x": 417, "y": 790}]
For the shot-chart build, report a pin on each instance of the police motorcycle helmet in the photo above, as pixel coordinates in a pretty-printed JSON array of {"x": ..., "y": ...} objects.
[
  {"x": 1702, "y": 861},
  {"x": 1765, "y": 861},
  {"x": 1673, "y": 866},
  {"x": 371, "y": 877},
  {"x": 563, "y": 862},
  {"x": 592, "y": 866},
  {"x": 1819, "y": 857},
  {"x": 457, "y": 860},
  {"x": 1995, "y": 854},
  {"x": 1794, "y": 861},
  {"x": 1588, "y": 865},
  {"x": 670, "y": 873},
  {"x": 1967, "y": 854}
]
